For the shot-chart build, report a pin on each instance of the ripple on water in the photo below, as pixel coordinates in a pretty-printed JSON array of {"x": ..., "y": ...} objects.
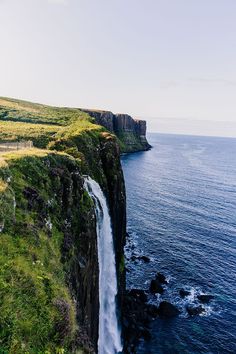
[{"x": 181, "y": 213}]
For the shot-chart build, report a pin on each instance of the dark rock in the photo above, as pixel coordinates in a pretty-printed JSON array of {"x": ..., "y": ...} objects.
[
  {"x": 132, "y": 132},
  {"x": 204, "y": 298},
  {"x": 166, "y": 309},
  {"x": 156, "y": 287},
  {"x": 161, "y": 278},
  {"x": 146, "y": 334},
  {"x": 63, "y": 325},
  {"x": 140, "y": 258},
  {"x": 195, "y": 310},
  {"x": 184, "y": 293},
  {"x": 35, "y": 201},
  {"x": 137, "y": 316},
  {"x": 138, "y": 294},
  {"x": 145, "y": 259},
  {"x": 152, "y": 310}
]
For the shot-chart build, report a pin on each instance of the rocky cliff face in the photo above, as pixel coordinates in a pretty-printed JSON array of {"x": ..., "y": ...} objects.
[
  {"x": 130, "y": 132},
  {"x": 48, "y": 243},
  {"x": 48, "y": 238}
]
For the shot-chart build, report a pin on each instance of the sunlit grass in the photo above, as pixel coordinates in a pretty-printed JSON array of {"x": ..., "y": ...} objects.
[
  {"x": 16, "y": 130},
  {"x": 23, "y": 111},
  {"x": 3, "y": 186}
]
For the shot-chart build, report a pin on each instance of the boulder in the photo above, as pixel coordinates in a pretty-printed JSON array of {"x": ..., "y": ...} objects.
[
  {"x": 166, "y": 309},
  {"x": 152, "y": 310},
  {"x": 156, "y": 287},
  {"x": 145, "y": 259},
  {"x": 138, "y": 294},
  {"x": 184, "y": 293},
  {"x": 140, "y": 258},
  {"x": 204, "y": 298},
  {"x": 161, "y": 278},
  {"x": 195, "y": 310},
  {"x": 146, "y": 334},
  {"x": 137, "y": 316}
]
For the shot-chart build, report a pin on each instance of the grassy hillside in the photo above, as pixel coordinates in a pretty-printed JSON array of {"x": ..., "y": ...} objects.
[
  {"x": 41, "y": 200},
  {"x": 37, "y": 310},
  {"x": 23, "y": 111},
  {"x": 21, "y": 120}
]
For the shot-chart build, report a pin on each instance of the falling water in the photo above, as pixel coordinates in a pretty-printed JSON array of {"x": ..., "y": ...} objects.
[{"x": 109, "y": 338}]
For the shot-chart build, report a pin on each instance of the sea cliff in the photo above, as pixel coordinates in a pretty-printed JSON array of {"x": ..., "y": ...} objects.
[
  {"x": 131, "y": 132},
  {"x": 48, "y": 244}
]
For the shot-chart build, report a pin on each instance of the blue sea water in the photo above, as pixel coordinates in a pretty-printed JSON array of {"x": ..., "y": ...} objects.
[{"x": 181, "y": 199}]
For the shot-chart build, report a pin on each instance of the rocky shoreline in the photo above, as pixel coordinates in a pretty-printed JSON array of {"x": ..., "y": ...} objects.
[{"x": 140, "y": 311}]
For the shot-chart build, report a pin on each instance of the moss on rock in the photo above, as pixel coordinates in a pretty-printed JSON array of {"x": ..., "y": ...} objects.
[{"x": 48, "y": 244}]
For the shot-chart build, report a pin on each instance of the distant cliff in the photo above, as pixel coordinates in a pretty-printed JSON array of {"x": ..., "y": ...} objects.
[{"x": 130, "y": 132}]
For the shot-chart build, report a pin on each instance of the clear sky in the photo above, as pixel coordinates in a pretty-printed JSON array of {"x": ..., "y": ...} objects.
[{"x": 172, "y": 62}]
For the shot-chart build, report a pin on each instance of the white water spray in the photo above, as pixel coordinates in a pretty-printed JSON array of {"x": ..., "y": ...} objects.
[{"x": 109, "y": 338}]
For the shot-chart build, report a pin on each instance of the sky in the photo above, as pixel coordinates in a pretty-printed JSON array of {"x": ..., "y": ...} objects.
[{"x": 171, "y": 62}]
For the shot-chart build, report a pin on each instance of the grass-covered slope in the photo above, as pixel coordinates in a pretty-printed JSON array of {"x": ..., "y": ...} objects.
[
  {"x": 21, "y": 120},
  {"x": 36, "y": 306},
  {"x": 48, "y": 252}
]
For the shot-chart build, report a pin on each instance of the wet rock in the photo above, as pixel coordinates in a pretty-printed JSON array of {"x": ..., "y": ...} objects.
[
  {"x": 137, "y": 316},
  {"x": 195, "y": 310},
  {"x": 138, "y": 294},
  {"x": 166, "y": 309},
  {"x": 204, "y": 298},
  {"x": 145, "y": 259},
  {"x": 140, "y": 258},
  {"x": 146, "y": 334},
  {"x": 156, "y": 287},
  {"x": 152, "y": 310},
  {"x": 183, "y": 293},
  {"x": 161, "y": 278}
]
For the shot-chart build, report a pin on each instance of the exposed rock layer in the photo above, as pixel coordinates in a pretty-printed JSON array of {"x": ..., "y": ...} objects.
[
  {"x": 131, "y": 132},
  {"x": 51, "y": 189}
]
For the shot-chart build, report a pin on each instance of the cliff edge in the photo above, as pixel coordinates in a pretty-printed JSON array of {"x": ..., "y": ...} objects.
[
  {"x": 131, "y": 132},
  {"x": 49, "y": 279}
]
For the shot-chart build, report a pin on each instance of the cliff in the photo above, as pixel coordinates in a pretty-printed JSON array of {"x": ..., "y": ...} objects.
[
  {"x": 131, "y": 132},
  {"x": 48, "y": 243}
]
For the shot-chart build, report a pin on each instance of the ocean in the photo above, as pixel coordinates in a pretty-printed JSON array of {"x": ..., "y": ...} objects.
[{"x": 181, "y": 209}]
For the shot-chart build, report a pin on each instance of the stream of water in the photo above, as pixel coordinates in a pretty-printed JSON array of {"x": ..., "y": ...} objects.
[{"x": 109, "y": 339}]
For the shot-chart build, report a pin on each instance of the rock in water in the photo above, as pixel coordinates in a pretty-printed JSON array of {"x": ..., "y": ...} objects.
[
  {"x": 184, "y": 293},
  {"x": 204, "y": 298},
  {"x": 161, "y": 278},
  {"x": 138, "y": 294},
  {"x": 195, "y": 310},
  {"x": 166, "y": 309},
  {"x": 137, "y": 317},
  {"x": 156, "y": 287},
  {"x": 145, "y": 259}
]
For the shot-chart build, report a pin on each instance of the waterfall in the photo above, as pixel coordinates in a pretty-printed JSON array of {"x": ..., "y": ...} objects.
[{"x": 109, "y": 338}]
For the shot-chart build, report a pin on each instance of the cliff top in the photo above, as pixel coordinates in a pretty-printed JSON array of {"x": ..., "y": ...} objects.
[{"x": 46, "y": 126}]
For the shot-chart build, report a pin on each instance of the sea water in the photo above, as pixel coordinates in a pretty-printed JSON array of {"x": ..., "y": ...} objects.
[{"x": 181, "y": 199}]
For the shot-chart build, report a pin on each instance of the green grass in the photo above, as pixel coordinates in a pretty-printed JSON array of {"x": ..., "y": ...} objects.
[
  {"x": 36, "y": 307},
  {"x": 23, "y": 111},
  {"x": 12, "y": 131},
  {"x": 37, "y": 312},
  {"x": 44, "y": 125}
]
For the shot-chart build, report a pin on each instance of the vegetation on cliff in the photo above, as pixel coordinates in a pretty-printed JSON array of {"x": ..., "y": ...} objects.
[
  {"x": 48, "y": 252},
  {"x": 38, "y": 313},
  {"x": 130, "y": 132}
]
